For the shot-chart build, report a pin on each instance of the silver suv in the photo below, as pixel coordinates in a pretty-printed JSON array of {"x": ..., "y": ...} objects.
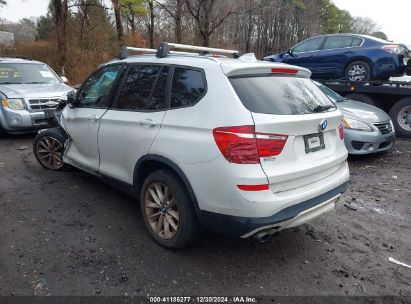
[
  {"x": 30, "y": 91},
  {"x": 236, "y": 146}
]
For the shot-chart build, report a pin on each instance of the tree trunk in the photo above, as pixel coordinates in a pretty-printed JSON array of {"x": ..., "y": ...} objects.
[
  {"x": 61, "y": 8},
  {"x": 119, "y": 25},
  {"x": 178, "y": 16},
  {"x": 151, "y": 29}
]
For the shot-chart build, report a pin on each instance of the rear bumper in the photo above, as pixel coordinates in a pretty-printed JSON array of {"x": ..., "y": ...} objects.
[{"x": 288, "y": 217}]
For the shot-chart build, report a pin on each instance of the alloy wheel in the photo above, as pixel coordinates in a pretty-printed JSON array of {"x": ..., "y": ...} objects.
[
  {"x": 50, "y": 153},
  {"x": 161, "y": 210},
  {"x": 357, "y": 72}
]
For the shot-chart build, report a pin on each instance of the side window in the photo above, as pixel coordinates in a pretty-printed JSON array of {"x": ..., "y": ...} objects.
[
  {"x": 188, "y": 87},
  {"x": 95, "y": 92},
  {"x": 356, "y": 41},
  {"x": 309, "y": 45},
  {"x": 144, "y": 89},
  {"x": 337, "y": 42}
]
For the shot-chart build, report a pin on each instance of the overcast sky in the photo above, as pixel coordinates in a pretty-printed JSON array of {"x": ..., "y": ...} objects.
[{"x": 392, "y": 16}]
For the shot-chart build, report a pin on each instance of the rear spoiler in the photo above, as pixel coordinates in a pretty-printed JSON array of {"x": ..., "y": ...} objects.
[{"x": 232, "y": 70}]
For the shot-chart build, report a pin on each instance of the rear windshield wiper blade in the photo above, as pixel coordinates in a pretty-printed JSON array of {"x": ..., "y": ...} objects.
[
  {"x": 8, "y": 82},
  {"x": 322, "y": 108},
  {"x": 35, "y": 82}
]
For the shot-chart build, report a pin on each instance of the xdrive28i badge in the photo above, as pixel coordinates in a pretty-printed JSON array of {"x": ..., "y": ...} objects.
[{"x": 323, "y": 125}]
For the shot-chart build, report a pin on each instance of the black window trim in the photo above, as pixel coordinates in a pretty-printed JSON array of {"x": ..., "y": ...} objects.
[
  {"x": 171, "y": 84},
  {"x": 306, "y": 40},
  {"x": 129, "y": 66},
  {"x": 168, "y": 86},
  {"x": 347, "y": 47},
  {"x": 113, "y": 89}
]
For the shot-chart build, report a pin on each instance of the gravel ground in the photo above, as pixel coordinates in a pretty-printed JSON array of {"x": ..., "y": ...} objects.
[{"x": 67, "y": 233}]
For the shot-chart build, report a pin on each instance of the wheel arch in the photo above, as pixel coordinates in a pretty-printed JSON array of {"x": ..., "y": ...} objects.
[
  {"x": 151, "y": 162},
  {"x": 360, "y": 58}
]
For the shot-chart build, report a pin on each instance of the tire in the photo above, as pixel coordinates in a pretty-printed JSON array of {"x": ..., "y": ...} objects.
[
  {"x": 360, "y": 67},
  {"x": 2, "y": 131},
  {"x": 48, "y": 148},
  {"x": 400, "y": 114},
  {"x": 361, "y": 98},
  {"x": 174, "y": 214}
]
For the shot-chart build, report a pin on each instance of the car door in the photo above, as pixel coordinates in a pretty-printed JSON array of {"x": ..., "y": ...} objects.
[
  {"x": 130, "y": 125},
  {"x": 83, "y": 121},
  {"x": 305, "y": 53},
  {"x": 334, "y": 56}
]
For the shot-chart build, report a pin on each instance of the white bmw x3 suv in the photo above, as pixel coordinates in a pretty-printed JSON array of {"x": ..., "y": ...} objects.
[{"x": 232, "y": 145}]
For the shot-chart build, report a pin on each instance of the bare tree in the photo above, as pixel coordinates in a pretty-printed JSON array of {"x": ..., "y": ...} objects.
[
  {"x": 119, "y": 24},
  {"x": 61, "y": 11},
  {"x": 175, "y": 9},
  {"x": 364, "y": 25},
  {"x": 203, "y": 12},
  {"x": 150, "y": 23}
]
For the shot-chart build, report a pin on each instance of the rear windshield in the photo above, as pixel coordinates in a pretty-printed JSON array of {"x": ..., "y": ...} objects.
[{"x": 281, "y": 95}]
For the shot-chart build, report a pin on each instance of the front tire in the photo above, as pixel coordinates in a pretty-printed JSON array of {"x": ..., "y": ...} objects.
[
  {"x": 2, "y": 131},
  {"x": 167, "y": 210},
  {"x": 400, "y": 115},
  {"x": 358, "y": 71},
  {"x": 48, "y": 148}
]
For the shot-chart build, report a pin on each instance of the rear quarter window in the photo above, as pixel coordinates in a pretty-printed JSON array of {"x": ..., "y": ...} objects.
[
  {"x": 279, "y": 95},
  {"x": 188, "y": 87}
]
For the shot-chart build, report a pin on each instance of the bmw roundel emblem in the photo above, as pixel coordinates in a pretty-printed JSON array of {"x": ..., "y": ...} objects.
[{"x": 323, "y": 125}]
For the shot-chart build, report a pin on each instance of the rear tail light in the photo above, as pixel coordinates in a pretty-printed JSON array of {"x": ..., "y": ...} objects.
[
  {"x": 242, "y": 145},
  {"x": 341, "y": 131},
  {"x": 392, "y": 48}
]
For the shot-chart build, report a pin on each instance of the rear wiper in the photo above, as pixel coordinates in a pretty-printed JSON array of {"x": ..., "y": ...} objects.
[
  {"x": 10, "y": 83},
  {"x": 321, "y": 108},
  {"x": 35, "y": 82}
]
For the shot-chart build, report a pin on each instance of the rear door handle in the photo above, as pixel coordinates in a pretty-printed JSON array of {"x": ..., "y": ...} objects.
[
  {"x": 148, "y": 122},
  {"x": 92, "y": 118}
]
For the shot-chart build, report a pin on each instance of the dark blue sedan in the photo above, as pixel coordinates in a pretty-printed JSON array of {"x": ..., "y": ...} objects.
[{"x": 347, "y": 56}]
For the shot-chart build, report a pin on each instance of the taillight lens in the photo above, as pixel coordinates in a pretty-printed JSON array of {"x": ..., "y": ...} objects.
[
  {"x": 242, "y": 145},
  {"x": 392, "y": 48},
  {"x": 341, "y": 131}
]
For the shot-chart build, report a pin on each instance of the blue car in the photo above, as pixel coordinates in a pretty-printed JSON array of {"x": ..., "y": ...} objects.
[{"x": 347, "y": 57}]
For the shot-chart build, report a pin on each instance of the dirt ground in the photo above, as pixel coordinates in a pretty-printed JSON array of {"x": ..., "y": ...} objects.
[{"x": 67, "y": 233}]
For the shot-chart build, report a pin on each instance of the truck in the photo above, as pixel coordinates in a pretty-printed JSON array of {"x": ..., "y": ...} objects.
[{"x": 394, "y": 97}]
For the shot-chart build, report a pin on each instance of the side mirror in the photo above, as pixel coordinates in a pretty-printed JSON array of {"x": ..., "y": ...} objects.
[
  {"x": 291, "y": 53},
  {"x": 72, "y": 99},
  {"x": 64, "y": 79}
]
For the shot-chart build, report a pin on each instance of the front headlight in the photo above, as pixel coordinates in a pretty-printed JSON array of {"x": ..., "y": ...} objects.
[
  {"x": 353, "y": 124},
  {"x": 13, "y": 103}
]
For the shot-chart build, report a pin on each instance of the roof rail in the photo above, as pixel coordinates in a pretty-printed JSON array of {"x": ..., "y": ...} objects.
[
  {"x": 166, "y": 48},
  {"x": 124, "y": 51}
]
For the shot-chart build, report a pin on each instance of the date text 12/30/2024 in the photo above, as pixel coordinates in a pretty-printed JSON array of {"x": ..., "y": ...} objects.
[{"x": 235, "y": 299}]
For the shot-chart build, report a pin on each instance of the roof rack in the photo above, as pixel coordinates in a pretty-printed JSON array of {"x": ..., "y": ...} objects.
[{"x": 166, "y": 48}]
